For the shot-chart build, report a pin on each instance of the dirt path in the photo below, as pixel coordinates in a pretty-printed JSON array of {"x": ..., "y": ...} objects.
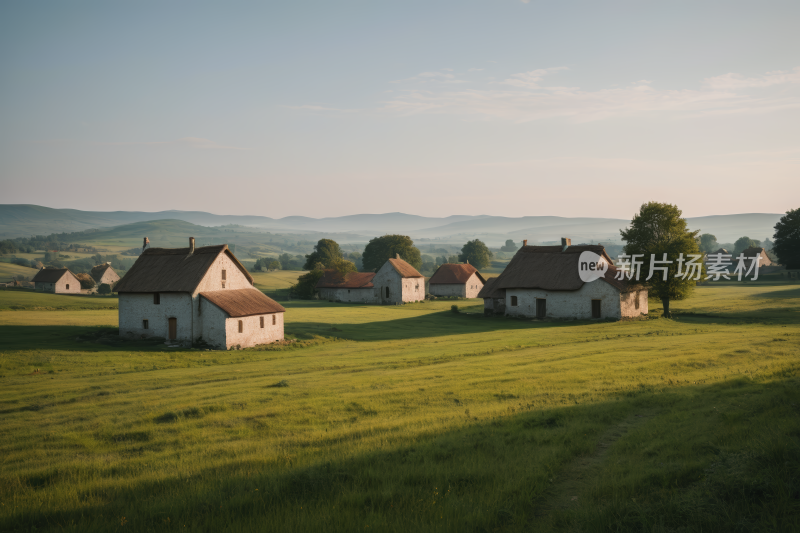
[{"x": 573, "y": 481}]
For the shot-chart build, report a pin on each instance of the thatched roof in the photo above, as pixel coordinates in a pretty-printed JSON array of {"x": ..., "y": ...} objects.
[
  {"x": 490, "y": 290},
  {"x": 549, "y": 268},
  {"x": 50, "y": 275},
  {"x": 404, "y": 269},
  {"x": 753, "y": 251},
  {"x": 331, "y": 279},
  {"x": 98, "y": 271},
  {"x": 243, "y": 302},
  {"x": 173, "y": 269},
  {"x": 452, "y": 273}
]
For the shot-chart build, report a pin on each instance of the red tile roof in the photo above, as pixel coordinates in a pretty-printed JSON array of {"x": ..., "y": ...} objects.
[
  {"x": 243, "y": 302},
  {"x": 454, "y": 273}
]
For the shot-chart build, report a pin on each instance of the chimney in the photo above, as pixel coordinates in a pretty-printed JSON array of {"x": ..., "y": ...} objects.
[
  {"x": 397, "y": 256},
  {"x": 191, "y": 245},
  {"x": 108, "y": 262},
  {"x": 525, "y": 242},
  {"x": 467, "y": 261},
  {"x": 565, "y": 243}
]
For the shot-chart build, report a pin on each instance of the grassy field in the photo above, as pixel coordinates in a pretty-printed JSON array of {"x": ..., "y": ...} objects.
[
  {"x": 274, "y": 281},
  {"x": 8, "y": 270},
  {"x": 408, "y": 418}
]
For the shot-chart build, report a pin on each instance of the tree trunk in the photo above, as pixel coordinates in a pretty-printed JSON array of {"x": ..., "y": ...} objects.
[{"x": 665, "y": 301}]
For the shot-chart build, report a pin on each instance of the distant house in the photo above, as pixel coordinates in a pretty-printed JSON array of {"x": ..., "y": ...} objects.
[
  {"x": 104, "y": 274},
  {"x": 354, "y": 287},
  {"x": 543, "y": 282},
  {"x": 395, "y": 282},
  {"x": 188, "y": 294},
  {"x": 56, "y": 280},
  {"x": 399, "y": 282},
  {"x": 494, "y": 299},
  {"x": 451, "y": 279},
  {"x": 750, "y": 255}
]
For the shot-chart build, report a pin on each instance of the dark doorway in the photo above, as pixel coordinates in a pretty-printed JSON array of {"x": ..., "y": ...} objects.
[
  {"x": 173, "y": 328},
  {"x": 541, "y": 307},
  {"x": 595, "y": 308},
  {"x": 387, "y": 292}
]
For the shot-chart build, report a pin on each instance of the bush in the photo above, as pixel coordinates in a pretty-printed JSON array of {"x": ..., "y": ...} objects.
[
  {"x": 306, "y": 285},
  {"x": 104, "y": 288},
  {"x": 454, "y": 308}
]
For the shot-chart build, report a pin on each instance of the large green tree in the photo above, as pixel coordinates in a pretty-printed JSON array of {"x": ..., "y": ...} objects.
[
  {"x": 509, "y": 246},
  {"x": 658, "y": 229},
  {"x": 381, "y": 249},
  {"x": 742, "y": 244},
  {"x": 787, "y": 239},
  {"x": 306, "y": 285},
  {"x": 325, "y": 251},
  {"x": 476, "y": 253},
  {"x": 708, "y": 243}
]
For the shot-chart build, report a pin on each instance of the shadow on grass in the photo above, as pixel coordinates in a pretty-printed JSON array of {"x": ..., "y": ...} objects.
[{"x": 684, "y": 468}]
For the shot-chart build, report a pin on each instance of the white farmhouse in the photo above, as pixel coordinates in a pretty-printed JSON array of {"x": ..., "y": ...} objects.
[
  {"x": 56, "y": 280},
  {"x": 543, "y": 282},
  {"x": 104, "y": 274},
  {"x": 399, "y": 282},
  {"x": 455, "y": 279},
  {"x": 494, "y": 299},
  {"x": 354, "y": 287},
  {"x": 188, "y": 294}
]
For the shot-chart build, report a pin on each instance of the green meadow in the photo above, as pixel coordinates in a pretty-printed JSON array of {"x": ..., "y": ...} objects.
[{"x": 407, "y": 418}]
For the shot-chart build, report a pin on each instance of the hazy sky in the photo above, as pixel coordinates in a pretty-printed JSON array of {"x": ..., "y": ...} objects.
[{"x": 329, "y": 108}]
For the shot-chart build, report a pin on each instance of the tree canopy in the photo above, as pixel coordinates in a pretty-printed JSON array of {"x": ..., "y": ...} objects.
[
  {"x": 476, "y": 253},
  {"x": 708, "y": 243},
  {"x": 306, "y": 285},
  {"x": 325, "y": 252},
  {"x": 742, "y": 244},
  {"x": 509, "y": 246},
  {"x": 381, "y": 249},
  {"x": 787, "y": 239},
  {"x": 658, "y": 229}
]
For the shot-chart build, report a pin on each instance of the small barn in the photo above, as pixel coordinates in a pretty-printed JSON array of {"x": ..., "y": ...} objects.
[
  {"x": 399, "y": 282},
  {"x": 750, "y": 255},
  {"x": 494, "y": 299},
  {"x": 188, "y": 294},
  {"x": 461, "y": 280},
  {"x": 56, "y": 280},
  {"x": 544, "y": 282},
  {"x": 354, "y": 287},
  {"x": 104, "y": 274}
]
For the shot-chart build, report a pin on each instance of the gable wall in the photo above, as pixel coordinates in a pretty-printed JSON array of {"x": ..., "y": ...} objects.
[
  {"x": 134, "y": 307},
  {"x": 400, "y": 289}
]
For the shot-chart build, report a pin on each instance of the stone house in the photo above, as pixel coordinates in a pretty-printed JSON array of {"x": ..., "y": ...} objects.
[
  {"x": 494, "y": 299},
  {"x": 355, "y": 287},
  {"x": 399, "y": 282},
  {"x": 451, "y": 279},
  {"x": 544, "y": 282},
  {"x": 104, "y": 274},
  {"x": 56, "y": 280},
  {"x": 750, "y": 255},
  {"x": 188, "y": 294},
  {"x": 395, "y": 282}
]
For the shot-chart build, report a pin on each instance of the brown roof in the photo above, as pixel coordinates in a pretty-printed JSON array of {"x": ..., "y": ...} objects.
[
  {"x": 404, "y": 269},
  {"x": 173, "y": 269},
  {"x": 454, "y": 273},
  {"x": 489, "y": 290},
  {"x": 548, "y": 268},
  {"x": 243, "y": 302},
  {"x": 331, "y": 279},
  {"x": 50, "y": 275},
  {"x": 98, "y": 271}
]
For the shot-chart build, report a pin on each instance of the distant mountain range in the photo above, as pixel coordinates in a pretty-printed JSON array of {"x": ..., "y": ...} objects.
[{"x": 21, "y": 220}]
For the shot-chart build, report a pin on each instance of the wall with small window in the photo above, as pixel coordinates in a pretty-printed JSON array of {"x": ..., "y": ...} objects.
[
  {"x": 593, "y": 299},
  {"x": 251, "y": 331},
  {"x": 140, "y": 316}
]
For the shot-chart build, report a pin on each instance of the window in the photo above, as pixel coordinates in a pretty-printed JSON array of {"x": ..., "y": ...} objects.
[
  {"x": 241, "y": 327},
  {"x": 513, "y": 301},
  {"x": 67, "y": 286},
  {"x": 262, "y": 322},
  {"x": 637, "y": 300},
  {"x": 145, "y": 324},
  {"x": 273, "y": 320},
  {"x": 348, "y": 291},
  {"x": 595, "y": 308},
  {"x": 224, "y": 272},
  {"x": 223, "y": 284},
  {"x": 156, "y": 298}
]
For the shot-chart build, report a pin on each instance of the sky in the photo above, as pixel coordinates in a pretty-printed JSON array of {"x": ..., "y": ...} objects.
[{"x": 434, "y": 108}]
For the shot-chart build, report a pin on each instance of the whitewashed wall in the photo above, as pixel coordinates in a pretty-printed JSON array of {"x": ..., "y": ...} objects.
[
  {"x": 400, "y": 289},
  {"x": 134, "y": 308},
  {"x": 253, "y": 334},
  {"x": 470, "y": 289},
  {"x": 568, "y": 304}
]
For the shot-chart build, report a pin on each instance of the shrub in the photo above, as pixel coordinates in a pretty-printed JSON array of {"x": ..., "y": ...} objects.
[
  {"x": 454, "y": 308},
  {"x": 104, "y": 288}
]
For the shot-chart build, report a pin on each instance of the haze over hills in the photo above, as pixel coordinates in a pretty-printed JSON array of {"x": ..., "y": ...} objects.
[{"x": 21, "y": 220}]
